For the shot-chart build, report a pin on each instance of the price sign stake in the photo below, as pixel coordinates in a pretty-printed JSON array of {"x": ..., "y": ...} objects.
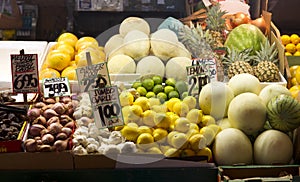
[
  {"x": 56, "y": 87},
  {"x": 92, "y": 76},
  {"x": 106, "y": 105},
  {"x": 25, "y": 77}
]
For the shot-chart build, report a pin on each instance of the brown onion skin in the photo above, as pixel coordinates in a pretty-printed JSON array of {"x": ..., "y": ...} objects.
[
  {"x": 260, "y": 23},
  {"x": 239, "y": 18},
  {"x": 36, "y": 129},
  {"x": 48, "y": 139}
]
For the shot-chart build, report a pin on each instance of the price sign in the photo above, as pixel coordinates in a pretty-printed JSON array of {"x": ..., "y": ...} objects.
[
  {"x": 93, "y": 76},
  {"x": 24, "y": 68},
  {"x": 56, "y": 87},
  {"x": 198, "y": 76},
  {"x": 106, "y": 105}
]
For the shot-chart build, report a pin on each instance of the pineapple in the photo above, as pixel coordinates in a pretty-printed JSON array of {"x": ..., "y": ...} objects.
[
  {"x": 238, "y": 62},
  {"x": 216, "y": 25},
  {"x": 266, "y": 60}
]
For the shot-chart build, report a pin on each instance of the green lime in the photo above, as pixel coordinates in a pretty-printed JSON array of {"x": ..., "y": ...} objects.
[
  {"x": 157, "y": 80},
  {"x": 162, "y": 96},
  {"x": 184, "y": 94},
  {"x": 136, "y": 84},
  {"x": 168, "y": 89},
  {"x": 148, "y": 83},
  {"x": 158, "y": 88},
  {"x": 142, "y": 91},
  {"x": 181, "y": 86},
  {"x": 171, "y": 82},
  {"x": 150, "y": 94},
  {"x": 173, "y": 94}
]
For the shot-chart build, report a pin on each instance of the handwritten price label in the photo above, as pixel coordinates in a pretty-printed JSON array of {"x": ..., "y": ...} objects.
[
  {"x": 56, "y": 87},
  {"x": 24, "y": 68},
  {"x": 93, "y": 76},
  {"x": 198, "y": 76},
  {"x": 106, "y": 106}
]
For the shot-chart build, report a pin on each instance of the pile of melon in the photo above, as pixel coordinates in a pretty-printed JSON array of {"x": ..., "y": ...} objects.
[
  {"x": 256, "y": 122},
  {"x": 136, "y": 50}
]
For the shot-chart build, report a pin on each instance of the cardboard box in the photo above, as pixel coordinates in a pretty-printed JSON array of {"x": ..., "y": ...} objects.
[
  {"x": 258, "y": 172},
  {"x": 36, "y": 161}
]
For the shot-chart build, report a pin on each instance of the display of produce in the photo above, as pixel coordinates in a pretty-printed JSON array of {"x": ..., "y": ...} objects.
[
  {"x": 291, "y": 44},
  {"x": 245, "y": 116}
]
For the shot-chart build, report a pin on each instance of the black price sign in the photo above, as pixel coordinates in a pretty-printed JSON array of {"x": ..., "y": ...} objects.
[
  {"x": 106, "y": 106},
  {"x": 93, "y": 76},
  {"x": 56, "y": 87},
  {"x": 24, "y": 68}
]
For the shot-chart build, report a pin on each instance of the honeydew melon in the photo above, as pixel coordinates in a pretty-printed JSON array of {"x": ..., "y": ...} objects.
[
  {"x": 134, "y": 23},
  {"x": 150, "y": 65},
  {"x": 176, "y": 68},
  {"x": 121, "y": 64}
]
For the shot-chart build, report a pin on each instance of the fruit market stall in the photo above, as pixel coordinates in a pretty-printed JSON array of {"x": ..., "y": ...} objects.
[{"x": 196, "y": 101}]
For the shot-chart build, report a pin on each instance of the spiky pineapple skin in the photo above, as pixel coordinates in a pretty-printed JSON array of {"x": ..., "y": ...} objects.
[
  {"x": 239, "y": 67},
  {"x": 267, "y": 71}
]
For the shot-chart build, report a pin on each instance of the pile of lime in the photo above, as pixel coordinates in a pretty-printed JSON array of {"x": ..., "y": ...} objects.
[{"x": 162, "y": 88}]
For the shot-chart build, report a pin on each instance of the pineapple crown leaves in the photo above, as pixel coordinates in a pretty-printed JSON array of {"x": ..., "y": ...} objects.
[
  {"x": 233, "y": 55},
  {"x": 215, "y": 20},
  {"x": 196, "y": 41},
  {"x": 268, "y": 52}
]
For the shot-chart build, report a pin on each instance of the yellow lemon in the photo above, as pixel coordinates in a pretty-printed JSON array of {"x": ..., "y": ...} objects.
[
  {"x": 297, "y": 53},
  {"x": 208, "y": 133},
  {"x": 144, "y": 129},
  {"x": 143, "y": 102},
  {"x": 181, "y": 109},
  {"x": 288, "y": 54},
  {"x": 135, "y": 113},
  {"x": 170, "y": 136},
  {"x": 162, "y": 108},
  {"x": 145, "y": 140},
  {"x": 207, "y": 120},
  {"x": 291, "y": 48},
  {"x": 285, "y": 39},
  {"x": 126, "y": 98},
  {"x": 182, "y": 124},
  {"x": 68, "y": 37},
  {"x": 293, "y": 70},
  {"x": 298, "y": 47},
  {"x": 67, "y": 49},
  {"x": 162, "y": 120},
  {"x": 187, "y": 153},
  {"x": 197, "y": 142},
  {"x": 58, "y": 60},
  {"x": 195, "y": 116},
  {"x": 215, "y": 127},
  {"x": 148, "y": 117},
  {"x": 48, "y": 73},
  {"x": 205, "y": 152},
  {"x": 294, "y": 81},
  {"x": 190, "y": 101},
  {"x": 297, "y": 75},
  {"x": 153, "y": 150},
  {"x": 154, "y": 101},
  {"x": 194, "y": 126},
  {"x": 295, "y": 91},
  {"x": 170, "y": 103},
  {"x": 130, "y": 133},
  {"x": 179, "y": 141},
  {"x": 294, "y": 39},
  {"x": 192, "y": 131},
  {"x": 160, "y": 135},
  {"x": 125, "y": 112},
  {"x": 85, "y": 40},
  {"x": 82, "y": 60},
  {"x": 69, "y": 72},
  {"x": 172, "y": 153}
]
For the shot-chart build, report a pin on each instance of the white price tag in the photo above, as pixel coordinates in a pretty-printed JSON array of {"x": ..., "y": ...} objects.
[
  {"x": 56, "y": 87},
  {"x": 106, "y": 106},
  {"x": 93, "y": 76},
  {"x": 24, "y": 68}
]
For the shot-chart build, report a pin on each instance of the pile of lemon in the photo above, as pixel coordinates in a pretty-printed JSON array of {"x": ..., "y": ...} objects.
[
  {"x": 174, "y": 128},
  {"x": 295, "y": 80},
  {"x": 68, "y": 53},
  {"x": 291, "y": 44}
]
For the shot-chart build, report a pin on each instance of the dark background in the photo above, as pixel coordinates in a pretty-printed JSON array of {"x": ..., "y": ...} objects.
[{"x": 56, "y": 16}]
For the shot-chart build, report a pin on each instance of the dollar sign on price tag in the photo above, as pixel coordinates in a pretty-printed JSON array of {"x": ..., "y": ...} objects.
[
  {"x": 56, "y": 87},
  {"x": 24, "y": 68},
  {"x": 92, "y": 76},
  {"x": 106, "y": 105}
]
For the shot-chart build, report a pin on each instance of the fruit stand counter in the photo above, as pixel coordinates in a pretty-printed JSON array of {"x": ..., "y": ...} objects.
[{"x": 161, "y": 170}]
